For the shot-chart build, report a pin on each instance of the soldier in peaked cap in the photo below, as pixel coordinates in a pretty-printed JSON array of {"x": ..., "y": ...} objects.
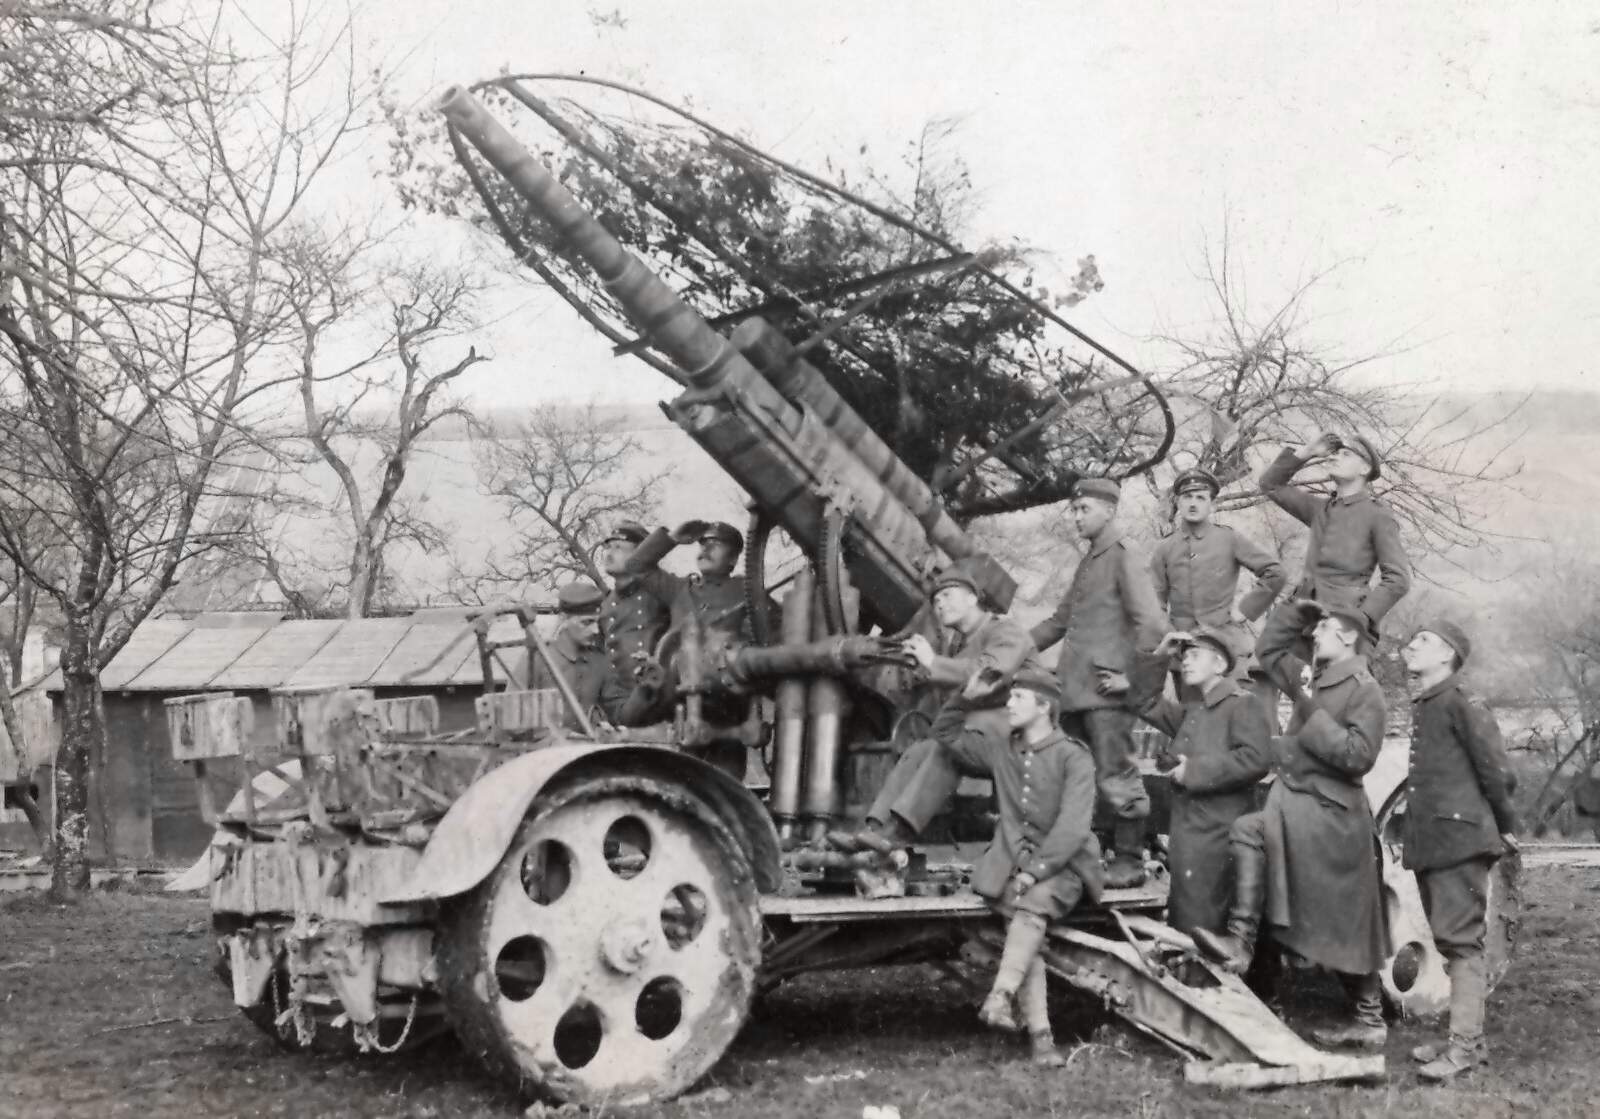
[
  {"x": 1353, "y": 535},
  {"x": 1221, "y": 748},
  {"x": 1307, "y": 863},
  {"x": 1458, "y": 821},
  {"x": 1109, "y": 610},
  {"x": 974, "y": 662},
  {"x": 633, "y": 618},
  {"x": 576, "y": 648},
  {"x": 1196, "y": 569},
  {"x": 714, "y": 595}
]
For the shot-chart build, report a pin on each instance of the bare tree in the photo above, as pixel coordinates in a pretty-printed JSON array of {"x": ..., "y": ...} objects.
[
  {"x": 563, "y": 475},
  {"x": 387, "y": 401},
  {"x": 1252, "y": 380},
  {"x": 140, "y": 283}
]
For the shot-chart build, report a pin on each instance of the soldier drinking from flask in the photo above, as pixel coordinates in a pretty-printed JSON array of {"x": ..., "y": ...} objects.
[
  {"x": 1307, "y": 863},
  {"x": 576, "y": 649},
  {"x": 1109, "y": 610},
  {"x": 1196, "y": 569},
  {"x": 972, "y": 669},
  {"x": 1221, "y": 749},
  {"x": 1458, "y": 821},
  {"x": 1354, "y": 536},
  {"x": 633, "y": 618},
  {"x": 1044, "y": 858}
]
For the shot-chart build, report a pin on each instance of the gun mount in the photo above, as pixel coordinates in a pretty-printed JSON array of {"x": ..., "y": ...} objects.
[{"x": 594, "y": 910}]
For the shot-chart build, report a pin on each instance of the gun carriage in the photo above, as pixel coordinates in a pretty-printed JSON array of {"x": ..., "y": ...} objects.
[{"x": 593, "y": 911}]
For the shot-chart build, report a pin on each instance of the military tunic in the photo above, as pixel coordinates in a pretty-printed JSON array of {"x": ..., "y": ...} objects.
[
  {"x": 1458, "y": 793},
  {"x": 583, "y": 666},
  {"x": 1195, "y": 572},
  {"x": 1324, "y": 897},
  {"x": 1226, "y": 740},
  {"x": 633, "y": 618},
  {"x": 1350, "y": 538}
]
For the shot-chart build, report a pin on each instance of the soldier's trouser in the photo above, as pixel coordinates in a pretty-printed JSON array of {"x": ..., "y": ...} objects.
[
  {"x": 923, "y": 780},
  {"x": 1456, "y": 900},
  {"x": 1109, "y": 733}
]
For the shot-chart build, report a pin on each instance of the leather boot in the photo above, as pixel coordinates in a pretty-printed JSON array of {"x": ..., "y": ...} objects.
[
  {"x": 1366, "y": 1028},
  {"x": 1125, "y": 869},
  {"x": 1235, "y": 948},
  {"x": 1024, "y": 935},
  {"x": 1466, "y": 1049}
]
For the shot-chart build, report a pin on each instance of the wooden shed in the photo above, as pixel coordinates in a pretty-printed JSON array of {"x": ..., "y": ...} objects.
[{"x": 145, "y": 805}]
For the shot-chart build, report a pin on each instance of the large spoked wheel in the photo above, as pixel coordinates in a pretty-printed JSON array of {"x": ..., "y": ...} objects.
[
  {"x": 1414, "y": 977},
  {"x": 612, "y": 954}
]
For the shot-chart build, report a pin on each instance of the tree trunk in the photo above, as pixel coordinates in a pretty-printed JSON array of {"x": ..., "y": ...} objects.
[{"x": 82, "y": 727}]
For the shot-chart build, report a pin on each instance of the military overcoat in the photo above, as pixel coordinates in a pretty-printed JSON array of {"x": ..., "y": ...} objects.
[
  {"x": 1225, "y": 738},
  {"x": 1324, "y": 892}
]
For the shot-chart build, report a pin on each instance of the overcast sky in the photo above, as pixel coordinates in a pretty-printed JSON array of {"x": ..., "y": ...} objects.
[{"x": 1442, "y": 158}]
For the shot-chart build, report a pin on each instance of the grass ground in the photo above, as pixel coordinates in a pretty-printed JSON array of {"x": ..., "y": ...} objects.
[{"x": 826, "y": 1046}]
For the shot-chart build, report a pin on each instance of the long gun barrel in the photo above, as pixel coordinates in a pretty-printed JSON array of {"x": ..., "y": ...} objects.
[{"x": 799, "y": 451}]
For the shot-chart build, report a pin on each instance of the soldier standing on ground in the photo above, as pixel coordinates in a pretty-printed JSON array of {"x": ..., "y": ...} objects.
[
  {"x": 1221, "y": 749},
  {"x": 976, "y": 665},
  {"x": 1109, "y": 610},
  {"x": 633, "y": 618},
  {"x": 1308, "y": 861},
  {"x": 1458, "y": 821},
  {"x": 1353, "y": 535},
  {"x": 576, "y": 649},
  {"x": 1196, "y": 569}
]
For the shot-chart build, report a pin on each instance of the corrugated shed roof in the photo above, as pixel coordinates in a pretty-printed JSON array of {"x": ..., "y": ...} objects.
[{"x": 427, "y": 650}]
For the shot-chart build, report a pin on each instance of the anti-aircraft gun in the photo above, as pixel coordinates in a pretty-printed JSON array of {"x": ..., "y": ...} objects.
[{"x": 593, "y": 913}]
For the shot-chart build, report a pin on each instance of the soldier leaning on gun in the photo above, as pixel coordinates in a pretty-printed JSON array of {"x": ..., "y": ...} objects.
[
  {"x": 1308, "y": 861},
  {"x": 1196, "y": 569},
  {"x": 1109, "y": 610},
  {"x": 1221, "y": 749},
  {"x": 1353, "y": 535},
  {"x": 980, "y": 657},
  {"x": 633, "y": 618},
  {"x": 576, "y": 648},
  {"x": 1458, "y": 821}
]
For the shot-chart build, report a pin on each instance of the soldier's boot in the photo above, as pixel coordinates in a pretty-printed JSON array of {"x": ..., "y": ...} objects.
[
  {"x": 1125, "y": 869},
  {"x": 1033, "y": 1000},
  {"x": 1024, "y": 936},
  {"x": 1366, "y": 1028},
  {"x": 882, "y": 836},
  {"x": 1466, "y": 1049},
  {"x": 1236, "y": 947}
]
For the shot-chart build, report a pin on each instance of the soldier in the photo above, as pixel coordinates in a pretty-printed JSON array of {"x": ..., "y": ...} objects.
[
  {"x": 576, "y": 648},
  {"x": 1044, "y": 858},
  {"x": 633, "y": 618},
  {"x": 1196, "y": 569},
  {"x": 1109, "y": 610},
  {"x": 1458, "y": 821},
  {"x": 1353, "y": 534},
  {"x": 714, "y": 596},
  {"x": 1221, "y": 749},
  {"x": 975, "y": 667},
  {"x": 1309, "y": 859}
]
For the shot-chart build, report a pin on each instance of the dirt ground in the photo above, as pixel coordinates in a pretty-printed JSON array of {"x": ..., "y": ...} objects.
[{"x": 70, "y": 977}]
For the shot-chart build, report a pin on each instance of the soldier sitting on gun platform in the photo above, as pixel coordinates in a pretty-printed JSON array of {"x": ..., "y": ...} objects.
[
  {"x": 1044, "y": 858},
  {"x": 1458, "y": 821},
  {"x": 976, "y": 666},
  {"x": 1221, "y": 748}
]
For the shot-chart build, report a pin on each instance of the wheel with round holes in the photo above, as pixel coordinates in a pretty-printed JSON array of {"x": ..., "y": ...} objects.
[{"x": 611, "y": 955}]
